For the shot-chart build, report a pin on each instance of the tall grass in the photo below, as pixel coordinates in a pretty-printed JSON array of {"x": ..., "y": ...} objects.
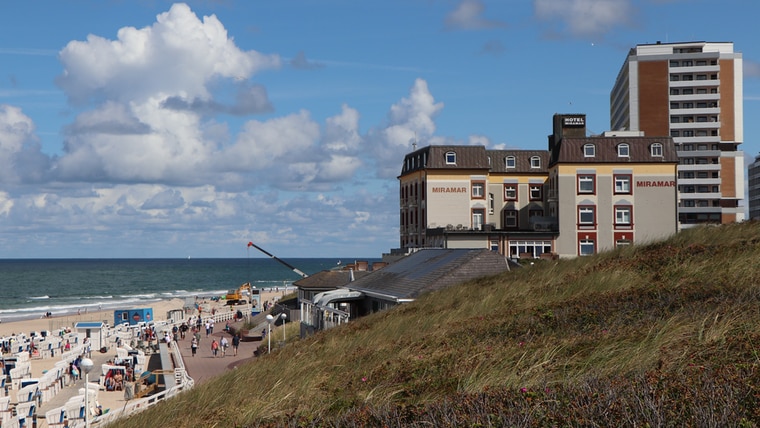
[{"x": 644, "y": 335}]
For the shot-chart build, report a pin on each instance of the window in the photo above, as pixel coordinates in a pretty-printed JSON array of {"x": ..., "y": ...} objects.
[
  {"x": 535, "y": 162},
  {"x": 510, "y": 218},
  {"x": 477, "y": 219},
  {"x": 478, "y": 190},
  {"x": 622, "y": 184},
  {"x": 451, "y": 158},
  {"x": 589, "y": 150},
  {"x": 586, "y": 183},
  {"x": 623, "y": 150},
  {"x": 510, "y": 192},
  {"x": 587, "y": 215},
  {"x": 510, "y": 161},
  {"x": 535, "y": 213},
  {"x": 622, "y": 216},
  {"x": 656, "y": 149},
  {"x": 535, "y": 192},
  {"x": 586, "y": 247}
]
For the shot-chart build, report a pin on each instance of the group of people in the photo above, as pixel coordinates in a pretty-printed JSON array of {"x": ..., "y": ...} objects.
[{"x": 217, "y": 347}]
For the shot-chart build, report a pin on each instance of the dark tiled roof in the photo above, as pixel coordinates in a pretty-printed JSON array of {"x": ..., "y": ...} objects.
[
  {"x": 522, "y": 161},
  {"x": 469, "y": 157},
  {"x": 328, "y": 279},
  {"x": 428, "y": 270},
  {"x": 571, "y": 150},
  {"x": 434, "y": 157}
]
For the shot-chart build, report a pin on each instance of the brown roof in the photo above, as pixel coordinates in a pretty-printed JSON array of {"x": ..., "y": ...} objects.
[
  {"x": 571, "y": 150},
  {"x": 522, "y": 161},
  {"x": 328, "y": 279},
  {"x": 434, "y": 157}
]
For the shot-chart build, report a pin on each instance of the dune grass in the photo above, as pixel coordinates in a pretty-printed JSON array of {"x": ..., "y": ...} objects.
[{"x": 659, "y": 334}]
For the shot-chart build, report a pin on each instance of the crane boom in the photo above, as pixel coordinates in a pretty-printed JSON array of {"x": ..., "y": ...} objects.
[{"x": 293, "y": 268}]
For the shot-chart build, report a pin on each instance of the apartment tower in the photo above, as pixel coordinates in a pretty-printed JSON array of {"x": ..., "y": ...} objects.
[
  {"x": 753, "y": 192},
  {"x": 693, "y": 92}
]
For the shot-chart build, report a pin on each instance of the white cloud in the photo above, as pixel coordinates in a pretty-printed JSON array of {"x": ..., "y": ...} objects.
[
  {"x": 410, "y": 120},
  {"x": 153, "y": 151},
  {"x": 177, "y": 56},
  {"x": 468, "y": 16},
  {"x": 585, "y": 17},
  {"x": 20, "y": 157}
]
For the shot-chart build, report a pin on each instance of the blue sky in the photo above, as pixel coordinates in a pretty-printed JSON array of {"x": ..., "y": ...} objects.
[{"x": 156, "y": 129}]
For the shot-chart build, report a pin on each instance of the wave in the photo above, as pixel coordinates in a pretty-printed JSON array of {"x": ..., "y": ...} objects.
[{"x": 39, "y": 297}]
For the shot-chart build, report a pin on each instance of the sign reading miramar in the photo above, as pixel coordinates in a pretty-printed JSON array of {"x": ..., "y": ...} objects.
[
  {"x": 448, "y": 189},
  {"x": 655, "y": 183}
]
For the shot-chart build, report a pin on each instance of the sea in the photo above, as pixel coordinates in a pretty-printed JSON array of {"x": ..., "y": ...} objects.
[{"x": 30, "y": 288}]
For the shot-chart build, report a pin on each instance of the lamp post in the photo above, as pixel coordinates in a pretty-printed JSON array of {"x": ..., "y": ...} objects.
[
  {"x": 270, "y": 318},
  {"x": 86, "y": 365},
  {"x": 283, "y": 316}
]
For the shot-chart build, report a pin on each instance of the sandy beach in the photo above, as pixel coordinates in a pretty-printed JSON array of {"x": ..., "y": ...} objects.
[
  {"x": 202, "y": 369},
  {"x": 160, "y": 309}
]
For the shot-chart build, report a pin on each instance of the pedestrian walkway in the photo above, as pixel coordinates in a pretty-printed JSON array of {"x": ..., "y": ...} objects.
[{"x": 204, "y": 365}]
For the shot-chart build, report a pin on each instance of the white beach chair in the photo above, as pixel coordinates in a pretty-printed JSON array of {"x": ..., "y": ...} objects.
[
  {"x": 25, "y": 412},
  {"x": 27, "y": 393},
  {"x": 55, "y": 417},
  {"x": 6, "y": 413}
]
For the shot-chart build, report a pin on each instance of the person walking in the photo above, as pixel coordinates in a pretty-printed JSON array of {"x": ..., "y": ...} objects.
[
  {"x": 194, "y": 346},
  {"x": 224, "y": 344},
  {"x": 214, "y": 347},
  {"x": 235, "y": 343}
]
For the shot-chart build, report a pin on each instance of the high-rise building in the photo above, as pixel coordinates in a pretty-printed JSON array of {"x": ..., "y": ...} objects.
[
  {"x": 693, "y": 92},
  {"x": 753, "y": 191}
]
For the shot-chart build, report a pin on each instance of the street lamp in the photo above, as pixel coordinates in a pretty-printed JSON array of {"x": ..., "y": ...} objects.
[
  {"x": 270, "y": 319},
  {"x": 283, "y": 316},
  {"x": 86, "y": 365}
]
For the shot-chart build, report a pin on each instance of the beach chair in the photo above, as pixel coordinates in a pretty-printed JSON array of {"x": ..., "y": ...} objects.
[
  {"x": 6, "y": 413},
  {"x": 27, "y": 393},
  {"x": 74, "y": 412},
  {"x": 26, "y": 412},
  {"x": 55, "y": 417}
]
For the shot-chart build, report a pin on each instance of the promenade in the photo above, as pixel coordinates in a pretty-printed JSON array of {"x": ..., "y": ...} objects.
[{"x": 202, "y": 367}]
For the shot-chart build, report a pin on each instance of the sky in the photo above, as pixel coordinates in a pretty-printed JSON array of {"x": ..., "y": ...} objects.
[{"x": 153, "y": 129}]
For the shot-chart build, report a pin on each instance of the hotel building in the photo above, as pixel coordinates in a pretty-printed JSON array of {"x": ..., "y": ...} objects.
[
  {"x": 582, "y": 196},
  {"x": 692, "y": 92}
]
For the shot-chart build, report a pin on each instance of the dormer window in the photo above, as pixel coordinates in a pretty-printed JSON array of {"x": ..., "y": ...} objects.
[
  {"x": 535, "y": 162},
  {"x": 451, "y": 158},
  {"x": 510, "y": 161},
  {"x": 623, "y": 150},
  {"x": 656, "y": 149},
  {"x": 589, "y": 150}
]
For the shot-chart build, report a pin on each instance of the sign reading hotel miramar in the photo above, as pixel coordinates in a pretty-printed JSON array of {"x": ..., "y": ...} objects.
[{"x": 574, "y": 121}]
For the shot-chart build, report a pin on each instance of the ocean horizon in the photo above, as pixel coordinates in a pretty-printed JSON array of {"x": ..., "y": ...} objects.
[{"x": 29, "y": 288}]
